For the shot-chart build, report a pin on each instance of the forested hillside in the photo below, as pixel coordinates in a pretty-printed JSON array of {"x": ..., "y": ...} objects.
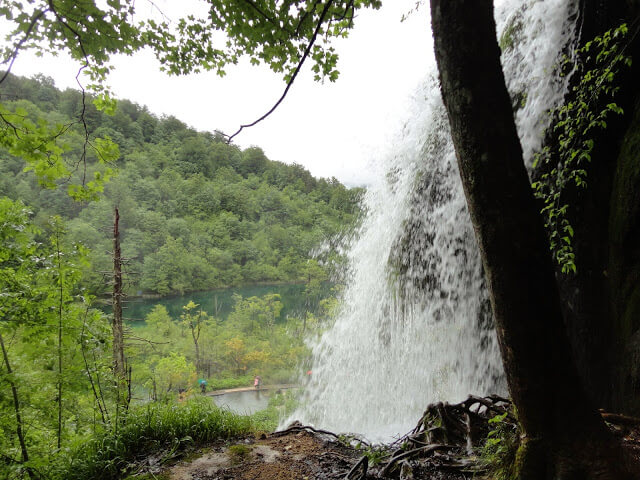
[{"x": 195, "y": 212}]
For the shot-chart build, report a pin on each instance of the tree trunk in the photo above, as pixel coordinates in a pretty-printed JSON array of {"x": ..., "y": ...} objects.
[
  {"x": 197, "y": 349},
  {"x": 564, "y": 436},
  {"x": 119, "y": 368}
]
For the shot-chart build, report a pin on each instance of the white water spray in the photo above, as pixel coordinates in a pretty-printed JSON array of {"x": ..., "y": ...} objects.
[{"x": 415, "y": 324}]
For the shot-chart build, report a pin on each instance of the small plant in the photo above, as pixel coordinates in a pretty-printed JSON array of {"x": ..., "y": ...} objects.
[
  {"x": 266, "y": 420},
  {"x": 498, "y": 454},
  {"x": 575, "y": 125},
  {"x": 239, "y": 453},
  {"x": 376, "y": 454}
]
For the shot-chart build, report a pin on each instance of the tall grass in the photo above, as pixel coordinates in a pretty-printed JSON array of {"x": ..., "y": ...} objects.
[{"x": 157, "y": 429}]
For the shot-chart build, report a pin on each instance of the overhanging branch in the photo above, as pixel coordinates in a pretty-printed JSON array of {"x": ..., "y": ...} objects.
[{"x": 304, "y": 57}]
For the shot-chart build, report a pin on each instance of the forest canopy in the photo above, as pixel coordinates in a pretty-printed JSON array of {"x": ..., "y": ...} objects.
[{"x": 196, "y": 213}]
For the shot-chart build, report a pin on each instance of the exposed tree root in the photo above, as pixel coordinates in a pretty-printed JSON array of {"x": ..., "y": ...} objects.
[
  {"x": 448, "y": 437},
  {"x": 449, "y": 442},
  {"x": 296, "y": 427}
]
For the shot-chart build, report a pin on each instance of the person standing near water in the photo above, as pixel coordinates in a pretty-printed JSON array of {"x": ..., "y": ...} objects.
[{"x": 257, "y": 381}]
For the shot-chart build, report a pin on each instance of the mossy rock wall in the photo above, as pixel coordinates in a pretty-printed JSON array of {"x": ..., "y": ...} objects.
[
  {"x": 624, "y": 268},
  {"x": 601, "y": 303}
]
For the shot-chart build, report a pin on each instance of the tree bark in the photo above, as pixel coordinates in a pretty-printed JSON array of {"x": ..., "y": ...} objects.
[
  {"x": 195, "y": 337},
  {"x": 563, "y": 433}
]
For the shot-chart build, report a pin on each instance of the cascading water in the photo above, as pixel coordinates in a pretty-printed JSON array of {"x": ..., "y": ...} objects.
[{"x": 415, "y": 323}]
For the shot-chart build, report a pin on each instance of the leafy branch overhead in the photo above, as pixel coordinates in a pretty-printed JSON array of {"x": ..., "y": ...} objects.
[
  {"x": 276, "y": 34},
  {"x": 282, "y": 35}
]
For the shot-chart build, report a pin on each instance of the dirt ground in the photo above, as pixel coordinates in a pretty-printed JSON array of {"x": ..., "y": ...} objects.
[
  {"x": 295, "y": 456},
  {"x": 300, "y": 455},
  {"x": 303, "y": 453}
]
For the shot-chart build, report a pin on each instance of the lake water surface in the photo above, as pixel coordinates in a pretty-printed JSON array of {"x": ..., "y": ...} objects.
[
  {"x": 243, "y": 403},
  {"x": 218, "y": 303}
]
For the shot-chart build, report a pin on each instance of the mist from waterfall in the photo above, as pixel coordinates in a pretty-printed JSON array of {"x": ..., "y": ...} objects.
[{"x": 415, "y": 324}]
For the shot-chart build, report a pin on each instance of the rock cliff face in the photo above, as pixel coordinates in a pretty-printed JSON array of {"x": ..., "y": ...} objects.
[
  {"x": 602, "y": 301},
  {"x": 624, "y": 266}
]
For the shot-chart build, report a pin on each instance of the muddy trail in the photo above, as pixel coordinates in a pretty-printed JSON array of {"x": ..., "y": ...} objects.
[{"x": 448, "y": 443}]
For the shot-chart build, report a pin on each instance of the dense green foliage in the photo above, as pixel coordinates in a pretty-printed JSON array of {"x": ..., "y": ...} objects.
[
  {"x": 276, "y": 34},
  {"x": 575, "y": 124},
  {"x": 254, "y": 340},
  {"x": 56, "y": 371},
  {"x": 195, "y": 212},
  {"x": 159, "y": 429},
  {"x": 54, "y": 347}
]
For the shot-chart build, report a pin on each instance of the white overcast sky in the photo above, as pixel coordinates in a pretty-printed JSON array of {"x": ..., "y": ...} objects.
[{"x": 333, "y": 129}]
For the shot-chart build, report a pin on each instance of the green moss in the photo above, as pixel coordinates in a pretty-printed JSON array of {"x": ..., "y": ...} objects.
[
  {"x": 150, "y": 476},
  {"x": 519, "y": 100},
  {"x": 530, "y": 461},
  {"x": 239, "y": 453},
  {"x": 510, "y": 34},
  {"x": 631, "y": 312}
]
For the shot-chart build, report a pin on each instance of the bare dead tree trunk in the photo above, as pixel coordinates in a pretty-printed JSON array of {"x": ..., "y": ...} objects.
[
  {"x": 195, "y": 334},
  {"x": 119, "y": 367},
  {"x": 197, "y": 349},
  {"x": 564, "y": 437}
]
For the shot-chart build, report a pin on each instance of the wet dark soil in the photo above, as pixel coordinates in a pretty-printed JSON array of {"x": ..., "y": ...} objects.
[
  {"x": 443, "y": 446},
  {"x": 296, "y": 456}
]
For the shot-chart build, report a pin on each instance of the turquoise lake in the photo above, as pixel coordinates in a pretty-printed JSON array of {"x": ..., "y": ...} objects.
[{"x": 218, "y": 303}]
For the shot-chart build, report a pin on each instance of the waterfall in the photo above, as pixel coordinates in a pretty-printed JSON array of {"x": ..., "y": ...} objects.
[{"x": 415, "y": 324}]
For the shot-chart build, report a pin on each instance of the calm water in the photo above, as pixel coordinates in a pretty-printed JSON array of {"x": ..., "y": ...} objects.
[
  {"x": 244, "y": 403},
  {"x": 219, "y": 303}
]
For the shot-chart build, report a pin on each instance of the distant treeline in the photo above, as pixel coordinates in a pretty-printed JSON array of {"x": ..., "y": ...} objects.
[{"x": 195, "y": 212}]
